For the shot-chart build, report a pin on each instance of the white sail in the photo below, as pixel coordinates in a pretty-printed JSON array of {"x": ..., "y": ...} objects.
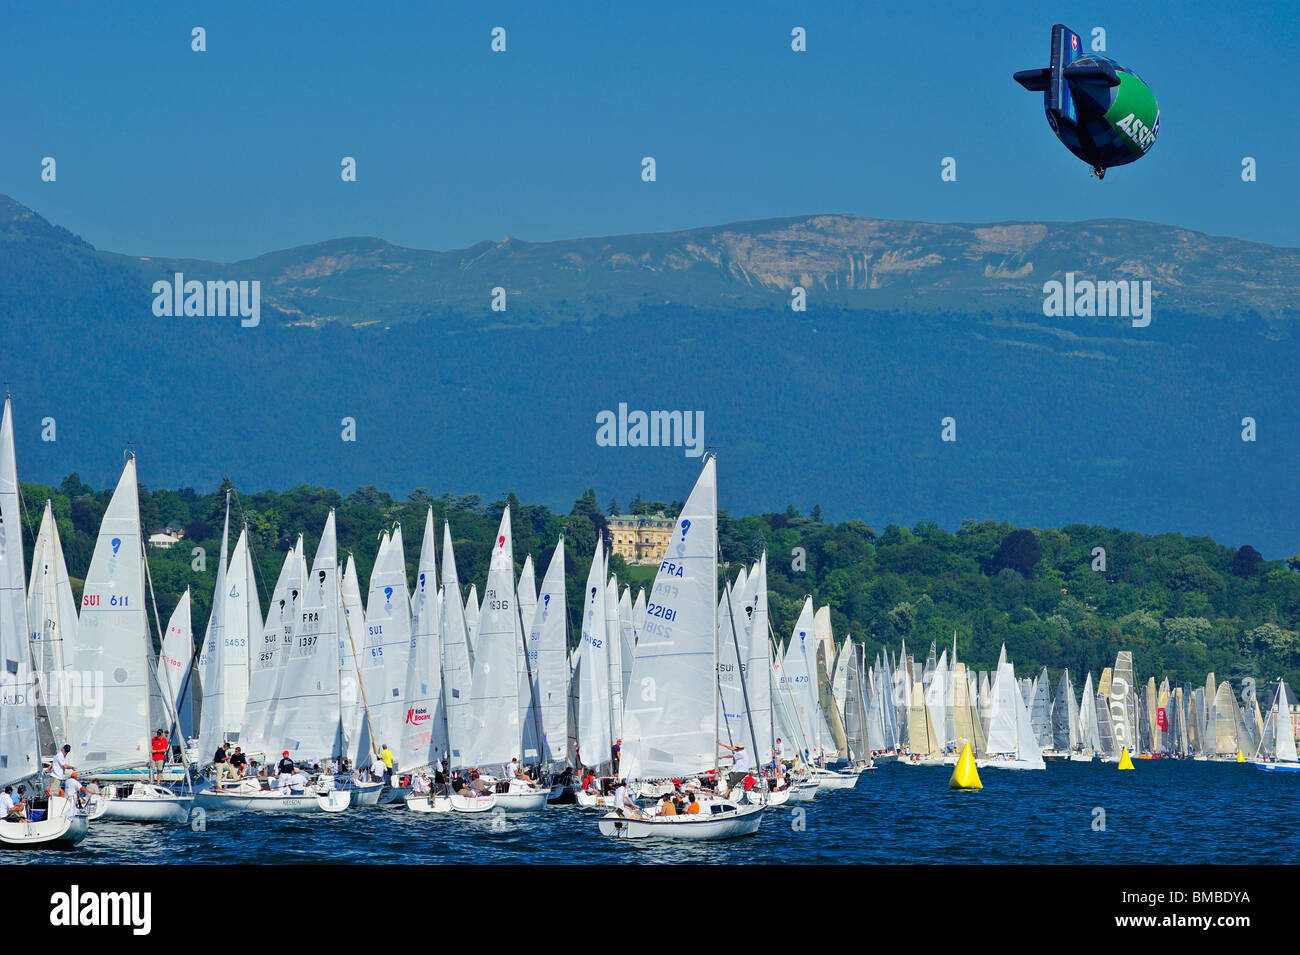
[
  {"x": 52, "y": 622},
  {"x": 177, "y": 652},
  {"x": 731, "y": 694},
  {"x": 797, "y": 710},
  {"x": 758, "y": 666},
  {"x": 422, "y": 738},
  {"x": 243, "y": 629},
  {"x": 547, "y": 652},
  {"x": 627, "y": 647},
  {"x": 268, "y": 658},
  {"x": 19, "y": 743},
  {"x": 387, "y": 637},
  {"x": 594, "y": 740},
  {"x": 113, "y": 643},
  {"x": 307, "y": 711},
  {"x": 473, "y": 611},
  {"x": 1123, "y": 697},
  {"x": 357, "y": 664},
  {"x": 1284, "y": 731},
  {"x": 1005, "y": 702},
  {"x": 494, "y": 733},
  {"x": 455, "y": 659},
  {"x": 1027, "y": 750},
  {"x": 1089, "y": 734},
  {"x": 638, "y": 617},
  {"x": 614, "y": 641},
  {"x": 670, "y": 718},
  {"x": 527, "y": 588},
  {"x": 212, "y": 659}
]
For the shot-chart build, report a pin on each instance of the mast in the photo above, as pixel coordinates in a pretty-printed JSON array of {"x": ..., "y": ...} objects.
[
  {"x": 361, "y": 686},
  {"x": 717, "y": 697},
  {"x": 744, "y": 692}
]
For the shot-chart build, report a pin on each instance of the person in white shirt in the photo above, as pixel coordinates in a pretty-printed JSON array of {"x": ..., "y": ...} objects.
[
  {"x": 624, "y": 802},
  {"x": 740, "y": 763},
  {"x": 297, "y": 783},
  {"x": 778, "y": 751},
  {"x": 377, "y": 768},
  {"x": 420, "y": 784},
  {"x": 73, "y": 789},
  {"x": 513, "y": 772},
  {"x": 59, "y": 767},
  {"x": 7, "y": 804}
]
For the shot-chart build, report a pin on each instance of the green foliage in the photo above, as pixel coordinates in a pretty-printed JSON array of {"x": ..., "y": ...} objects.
[{"x": 1183, "y": 605}]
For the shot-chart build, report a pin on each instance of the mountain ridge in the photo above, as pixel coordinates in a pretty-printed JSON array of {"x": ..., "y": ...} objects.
[{"x": 841, "y": 260}]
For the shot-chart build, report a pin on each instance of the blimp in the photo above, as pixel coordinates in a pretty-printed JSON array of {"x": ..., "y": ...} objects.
[{"x": 1103, "y": 112}]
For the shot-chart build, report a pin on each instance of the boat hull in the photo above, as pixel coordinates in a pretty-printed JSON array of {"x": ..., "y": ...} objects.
[
  {"x": 273, "y": 800},
  {"x": 833, "y": 781},
  {"x": 733, "y": 824},
  {"x": 1009, "y": 764},
  {"x": 778, "y": 798},
  {"x": 593, "y": 800},
  {"x": 1279, "y": 767},
  {"x": 527, "y": 801},
  {"x": 424, "y": 803},
  {"x": 57, "y": 830},
  {"x": 481, "y": 803},
  {"x": 803, "y": 792}
]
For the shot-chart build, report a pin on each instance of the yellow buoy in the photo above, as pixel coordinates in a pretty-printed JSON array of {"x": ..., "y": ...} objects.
[
  {"x": 965, "y": 775},
  {"x": 1240, "y": 758},
  {"x": 1125, "y": 762}
]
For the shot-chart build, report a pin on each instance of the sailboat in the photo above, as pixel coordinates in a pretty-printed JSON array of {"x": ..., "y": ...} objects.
[
  {"x": 671, "y": 721},
  {"x": 1012, "y": 743},
  {"x": 53, "y": 822},
  {"x": 495, "y": 735},
  {"x": 305, "y": 715},
  {"x": 1280, "y": 730},
  {"x": 111, "y": 742},
  {"x": 1089, "y": 743}
]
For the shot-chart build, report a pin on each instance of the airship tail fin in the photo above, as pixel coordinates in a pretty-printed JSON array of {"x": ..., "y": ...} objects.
[{"x": 1036, "y": 81}]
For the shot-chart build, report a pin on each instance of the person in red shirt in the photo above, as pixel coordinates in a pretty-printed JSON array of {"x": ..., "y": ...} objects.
[{"x": 159, "y": 747}]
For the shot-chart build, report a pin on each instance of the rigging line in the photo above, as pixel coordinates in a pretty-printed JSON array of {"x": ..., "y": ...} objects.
[{"x": 257, "y": 567}]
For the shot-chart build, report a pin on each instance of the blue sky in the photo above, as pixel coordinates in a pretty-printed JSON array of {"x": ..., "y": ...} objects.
[{"x": 234, "y": 152}]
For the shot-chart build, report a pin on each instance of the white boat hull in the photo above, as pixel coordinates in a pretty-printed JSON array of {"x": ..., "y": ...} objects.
[
  {"x": 272, "y": 800},
  {"x": 730, "y": 824},
  {"x": 1009, "y": 764},
  {"x": 480, "y": 803},
  {"x": 1081, "y": 757},
  {"x": 778, "y": 798},
  {"x": 593, "y": 800},
  {"x": 1279, "y": 767},
  {"x": 424, "y": 803},
  {"x": 150, "y": 806},
  {"x": 527, "y": 800},
  {"x": 57, "y": 830},
  {"x": 833, "y": 781}
]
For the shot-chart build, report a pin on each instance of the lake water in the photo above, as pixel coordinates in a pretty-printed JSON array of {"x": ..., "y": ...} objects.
[{"x": 1164, "y": 812}]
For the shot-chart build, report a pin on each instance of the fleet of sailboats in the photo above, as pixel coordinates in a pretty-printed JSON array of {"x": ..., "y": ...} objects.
[{"x": 683, "y": 690}]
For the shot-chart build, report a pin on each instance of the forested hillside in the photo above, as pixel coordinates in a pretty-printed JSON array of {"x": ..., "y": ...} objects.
[{"x": 1183, "y": 605}]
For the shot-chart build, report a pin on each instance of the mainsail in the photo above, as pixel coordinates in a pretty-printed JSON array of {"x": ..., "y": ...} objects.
[
  {"x": 494, "y": 734},
  {"x": 594, "y": 740},
  {"x": 455, "y": 659},
  {"x": 113, "y": 640},
  {"x": 19, "y": 754},
  {"x": 307, "y": 710},
  {"x": 670, "y": 719},
  {"x": 423, "y": 734},
  {"x": 547, "y": 651}
]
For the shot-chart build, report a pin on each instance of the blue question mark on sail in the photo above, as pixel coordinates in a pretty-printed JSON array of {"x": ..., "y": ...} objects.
[
  {"x": 681, "y": 545},
  {"x": 116, "y": 542}
]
